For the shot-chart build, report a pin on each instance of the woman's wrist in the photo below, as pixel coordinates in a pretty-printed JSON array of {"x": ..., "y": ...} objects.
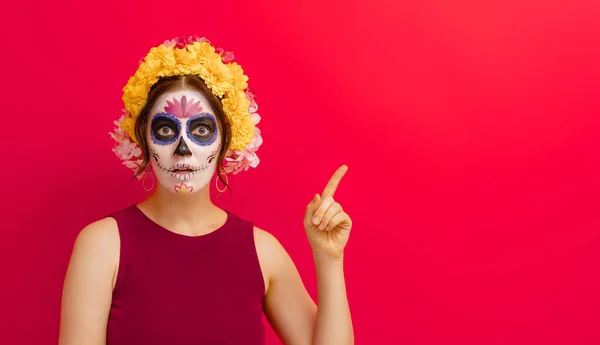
[{"x": 324, "y": 259}]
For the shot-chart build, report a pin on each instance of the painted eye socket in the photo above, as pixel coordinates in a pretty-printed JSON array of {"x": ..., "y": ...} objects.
[
  {"x": 165, "y": 129},
  {"x": 201, "y": 131}
]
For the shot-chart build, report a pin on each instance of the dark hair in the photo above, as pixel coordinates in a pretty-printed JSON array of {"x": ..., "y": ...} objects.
[{"x": 167, "y": 84}]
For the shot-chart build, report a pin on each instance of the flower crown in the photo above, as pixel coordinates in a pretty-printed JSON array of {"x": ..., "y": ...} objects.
[{"x": 193, "y": 55}]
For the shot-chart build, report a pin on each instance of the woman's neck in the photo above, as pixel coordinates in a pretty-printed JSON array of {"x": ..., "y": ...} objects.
[{"x": 189, "y": 214}]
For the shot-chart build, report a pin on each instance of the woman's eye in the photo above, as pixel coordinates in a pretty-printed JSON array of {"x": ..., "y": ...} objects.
[
  {"x": 166, "y": 131},
  {"x": 201, "y": 131}
]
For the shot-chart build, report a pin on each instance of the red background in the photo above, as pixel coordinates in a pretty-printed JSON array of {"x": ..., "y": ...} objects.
[{"x": 470, "y": 129}]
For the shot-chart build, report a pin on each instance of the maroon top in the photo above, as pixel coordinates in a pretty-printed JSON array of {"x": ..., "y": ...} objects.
[{"x": 174, "y": 289}]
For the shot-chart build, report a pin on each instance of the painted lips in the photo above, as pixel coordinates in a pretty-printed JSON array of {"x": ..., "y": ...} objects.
[
  {"x": 184, "y": 172},
  {"x": 183, "y": 169}
]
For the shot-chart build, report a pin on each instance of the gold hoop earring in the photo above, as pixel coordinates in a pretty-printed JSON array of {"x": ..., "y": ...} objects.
[
  {"x": 148, "y": 175},
  {"x": 217, "y": 182}
]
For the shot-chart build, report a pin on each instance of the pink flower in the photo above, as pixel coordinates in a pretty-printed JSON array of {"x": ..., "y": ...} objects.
[
  {"x": 125, "y": 148},
  {"x": 181, "y": 42},
  {"x": 253, "y": 106},
  {"x": 238, "y": 161},
  {"x": 225, "y": 56}
]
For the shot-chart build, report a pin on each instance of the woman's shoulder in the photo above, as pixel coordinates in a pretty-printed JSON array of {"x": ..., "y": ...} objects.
[
  {"x": 101, "y": 229},
  {"x": 106, "y": 230},
  {"x": 94, "y": 259},
  {"x": 261, "y": 236},
  {"x": 100, "y": 237},
  {"x": 271, "y": 252},
  {"x": 265, "y": 238},
  {"x": 265, "y": 241}
]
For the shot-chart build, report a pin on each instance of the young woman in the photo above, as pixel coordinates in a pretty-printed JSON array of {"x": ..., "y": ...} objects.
[{"x": 175, "y": 269}]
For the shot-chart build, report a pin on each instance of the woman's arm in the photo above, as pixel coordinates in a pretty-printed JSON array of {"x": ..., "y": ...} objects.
[
  {"x": 334, "y": 324},
  {"x": 328, "y": 229},
  {"x": 289, "y": 308},
  {"x": 87, "y": 291}
]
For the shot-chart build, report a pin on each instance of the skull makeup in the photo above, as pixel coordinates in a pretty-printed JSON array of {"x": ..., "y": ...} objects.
[{"x": 184, "y": 139}]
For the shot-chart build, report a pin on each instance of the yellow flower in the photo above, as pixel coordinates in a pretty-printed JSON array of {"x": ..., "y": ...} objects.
[
  {"x": 240, "y": 80},
  {"x": 245, "y": 134},
  {"x": 206, "y": 51},
  {"x": 186, "y": 56},
  {"x": 226, "y": 81},
  {"x": 237, "y": 103},
  {"x": 128, "y": 126}
]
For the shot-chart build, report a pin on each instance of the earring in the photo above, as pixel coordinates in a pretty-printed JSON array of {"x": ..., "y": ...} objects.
[
  {"x": 148, "y": 176},
  {"x": 217, "y": 182}
]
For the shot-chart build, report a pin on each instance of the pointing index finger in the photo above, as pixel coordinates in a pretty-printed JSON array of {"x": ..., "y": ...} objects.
[{"x": 334, "y": 181}]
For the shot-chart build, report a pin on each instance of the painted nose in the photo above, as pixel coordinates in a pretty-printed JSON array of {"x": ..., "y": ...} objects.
[{"x": 182, "y": 149}]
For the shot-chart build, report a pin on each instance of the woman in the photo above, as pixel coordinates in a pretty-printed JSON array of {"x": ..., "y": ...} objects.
[{"x": 175, "y": 269}]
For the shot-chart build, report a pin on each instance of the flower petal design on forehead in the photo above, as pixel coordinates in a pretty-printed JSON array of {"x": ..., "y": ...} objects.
[
  {"x": 193, "y": 55},
  {"x": 184, "y": 108}
]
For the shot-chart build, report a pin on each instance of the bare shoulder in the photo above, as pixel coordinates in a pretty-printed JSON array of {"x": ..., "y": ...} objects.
[
  {"x": 101, "y": 235},
  {"x": 268, "y": 246},
  {"x": 287, "y": 305},
  {"x": 98, "y": 245},
  {"x": 265, "y": 239},
  {"x": 88, "y": 285},
  {"x": 274, "y": 260}
]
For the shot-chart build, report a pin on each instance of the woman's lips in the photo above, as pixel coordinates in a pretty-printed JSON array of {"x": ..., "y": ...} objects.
[{"x": 183, "y": 171}]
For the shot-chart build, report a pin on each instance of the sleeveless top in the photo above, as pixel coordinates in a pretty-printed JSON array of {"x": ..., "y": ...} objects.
[{"x": 173, "y": 289}]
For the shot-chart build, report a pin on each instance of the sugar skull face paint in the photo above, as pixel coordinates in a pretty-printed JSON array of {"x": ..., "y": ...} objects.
[{"x": 184, "y": 139}]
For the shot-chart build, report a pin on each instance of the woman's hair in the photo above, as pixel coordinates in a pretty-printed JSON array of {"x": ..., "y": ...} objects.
[{"x": 167, "y": 84}]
